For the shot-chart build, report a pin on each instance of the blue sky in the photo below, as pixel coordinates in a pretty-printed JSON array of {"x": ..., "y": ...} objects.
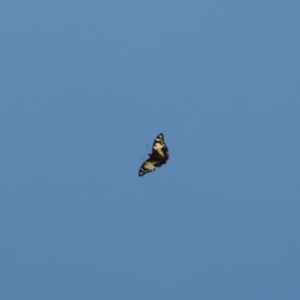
[{"x": 85, "y": 88}]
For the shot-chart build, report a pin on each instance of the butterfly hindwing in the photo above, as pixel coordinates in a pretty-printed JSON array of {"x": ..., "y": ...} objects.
[{"x": 157, "y": 158}]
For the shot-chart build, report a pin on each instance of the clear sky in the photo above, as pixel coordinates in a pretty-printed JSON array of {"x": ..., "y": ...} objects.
[{"x": 85, "y": 88}]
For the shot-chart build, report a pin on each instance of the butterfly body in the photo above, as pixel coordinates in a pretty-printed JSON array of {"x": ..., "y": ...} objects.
[{"x": 158, "y": 157}]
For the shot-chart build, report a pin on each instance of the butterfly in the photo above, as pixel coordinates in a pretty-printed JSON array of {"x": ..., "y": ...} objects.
[{"x": 157, "y": 158}]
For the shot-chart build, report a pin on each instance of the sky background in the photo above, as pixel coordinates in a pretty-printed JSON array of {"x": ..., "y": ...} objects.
[{"x": 85, "y": 88}]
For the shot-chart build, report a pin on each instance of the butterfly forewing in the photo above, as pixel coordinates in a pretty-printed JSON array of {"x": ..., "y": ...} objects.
[
  {"x": 147, "y": 166},
  {"x": 159, "y": 147}
]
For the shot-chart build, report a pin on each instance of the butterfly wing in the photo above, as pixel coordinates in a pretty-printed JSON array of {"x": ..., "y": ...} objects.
[
  {"x": 147, "y": 166},
  {"x": 160, "y": 149}
]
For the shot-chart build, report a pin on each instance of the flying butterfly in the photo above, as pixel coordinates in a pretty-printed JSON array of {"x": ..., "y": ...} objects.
[{"x": 157, "y": 158}]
